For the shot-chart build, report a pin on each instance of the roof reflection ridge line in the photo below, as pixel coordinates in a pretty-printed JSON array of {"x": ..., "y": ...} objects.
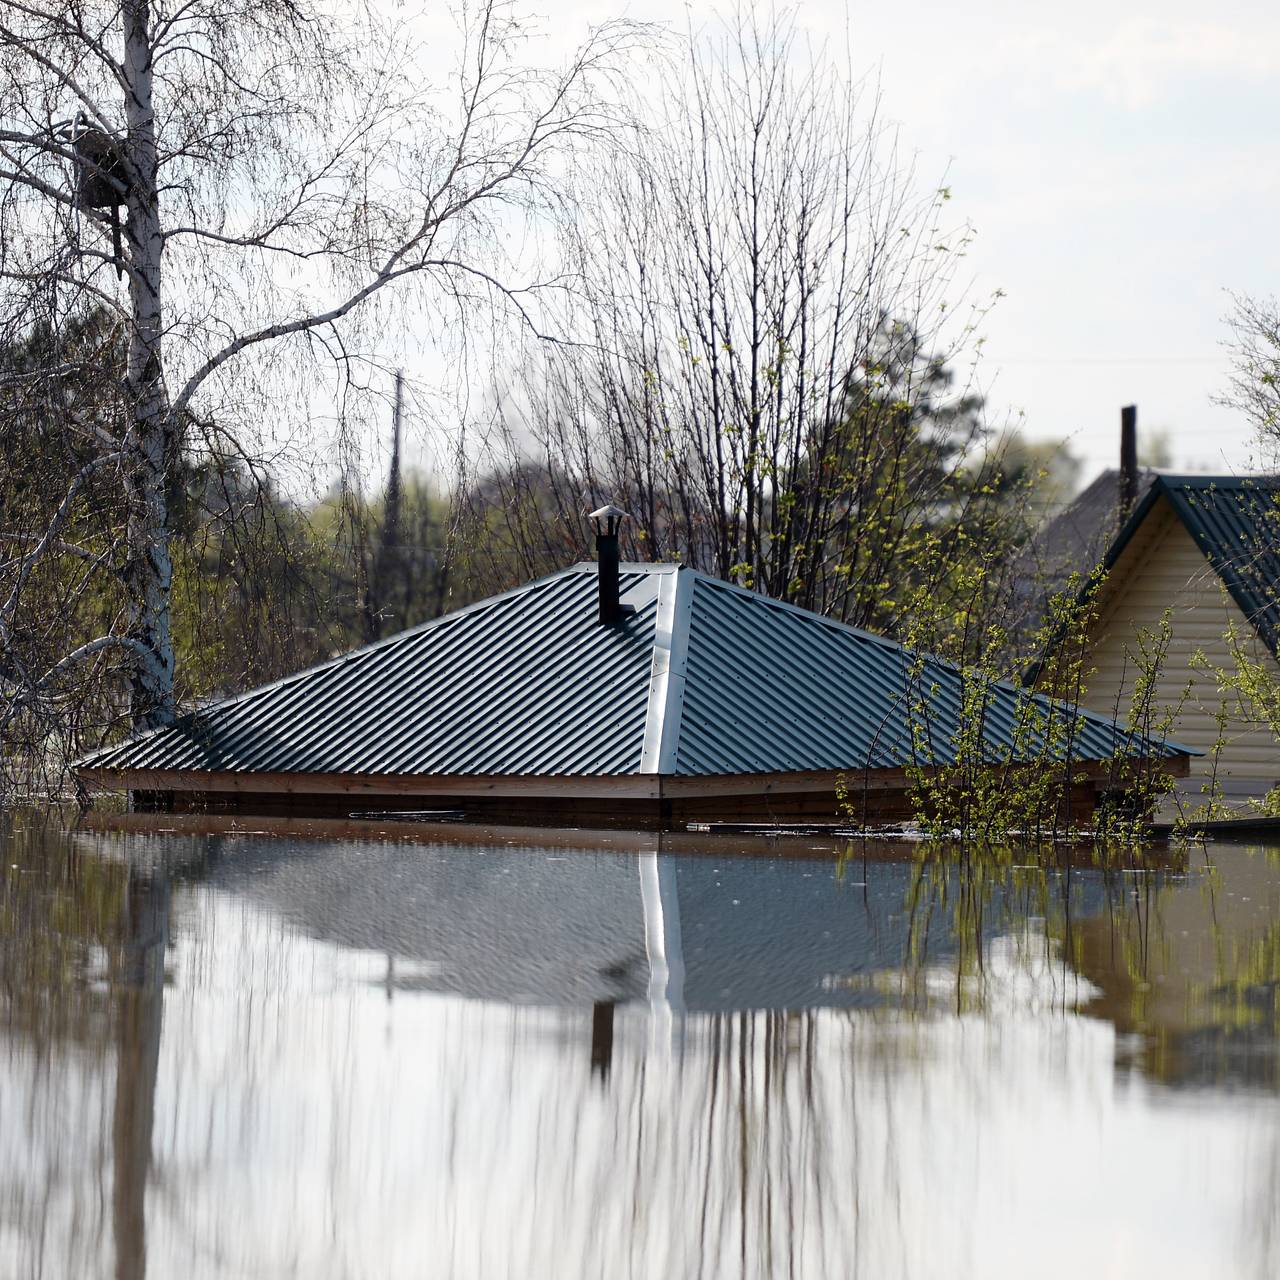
[{"x": 661, "y": 741}]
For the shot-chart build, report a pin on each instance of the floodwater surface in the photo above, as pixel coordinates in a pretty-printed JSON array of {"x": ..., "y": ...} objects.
[{"x": 250, "y": 1055}]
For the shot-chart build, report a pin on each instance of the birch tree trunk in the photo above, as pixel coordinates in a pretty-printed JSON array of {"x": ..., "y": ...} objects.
[{"x": 148, "y": 570}]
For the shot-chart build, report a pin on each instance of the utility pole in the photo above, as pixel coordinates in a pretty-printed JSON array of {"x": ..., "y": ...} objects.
[{"x": 385, "y": 597}]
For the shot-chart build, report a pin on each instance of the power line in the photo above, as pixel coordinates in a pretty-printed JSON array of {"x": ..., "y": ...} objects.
[{"x": 1108, "y": 360}]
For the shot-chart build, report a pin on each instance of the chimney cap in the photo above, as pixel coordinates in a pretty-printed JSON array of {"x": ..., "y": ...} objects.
[
  {"x": 608, "y": 519},
  {"x": 605, "y": 512}
]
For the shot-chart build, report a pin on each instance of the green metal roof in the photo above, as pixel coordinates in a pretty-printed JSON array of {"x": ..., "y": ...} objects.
[
  {"x": 702, "y": 678},
  {"x": 1235, "y": 521}
]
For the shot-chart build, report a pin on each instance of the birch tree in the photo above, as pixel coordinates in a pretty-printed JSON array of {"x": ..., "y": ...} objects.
[{"x": 247, "y": 189}]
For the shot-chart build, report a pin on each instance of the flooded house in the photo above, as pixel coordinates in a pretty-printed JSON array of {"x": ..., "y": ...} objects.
[
  {"x": 605, "y": 695},
  {"x": 1203, "y": 553}
]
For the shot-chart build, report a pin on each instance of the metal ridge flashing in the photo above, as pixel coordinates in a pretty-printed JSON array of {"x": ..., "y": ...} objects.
[{"x": 666, "y": 680}]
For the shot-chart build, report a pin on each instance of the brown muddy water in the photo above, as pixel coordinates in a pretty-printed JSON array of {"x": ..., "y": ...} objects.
[{"x": 237, "y": 1055}]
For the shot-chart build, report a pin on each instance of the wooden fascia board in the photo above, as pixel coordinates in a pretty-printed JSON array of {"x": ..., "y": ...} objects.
[
  {"x": 625, "y": 786},
  {"x": 855, "y": 781},
  {"x": 630, "y": 786}
]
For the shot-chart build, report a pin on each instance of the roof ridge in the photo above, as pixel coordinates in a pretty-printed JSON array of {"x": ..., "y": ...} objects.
[{"x": 661, "y": 743}]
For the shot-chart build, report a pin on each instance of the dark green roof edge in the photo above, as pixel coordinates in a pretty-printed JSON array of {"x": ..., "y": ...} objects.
[{"x": 1258, "y": 611}]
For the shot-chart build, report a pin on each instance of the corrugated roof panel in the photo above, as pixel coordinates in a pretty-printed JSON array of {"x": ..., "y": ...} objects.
[
  {"x": 528, "y": 682},
  {"x": 771, "y": 688},
  {"x": 766, "y": 683}
]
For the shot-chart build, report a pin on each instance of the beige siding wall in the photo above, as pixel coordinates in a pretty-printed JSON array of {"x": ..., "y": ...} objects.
[{"x": 1162, "y": 568}]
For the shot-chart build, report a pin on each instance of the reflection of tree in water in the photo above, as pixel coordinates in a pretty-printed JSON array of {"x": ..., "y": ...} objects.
[
  {"x": 729, "y": 1153},
  {"x": 985, "y": 904},
  {"x": 1244, "y": 986},
  {"x": 1183, "y": 952},
  {"x": 59, "y": 914},
  {"x": 138, "y": 982},
  {"x": 1182, "y": 955},
  {"x": 81, "y": 954}
]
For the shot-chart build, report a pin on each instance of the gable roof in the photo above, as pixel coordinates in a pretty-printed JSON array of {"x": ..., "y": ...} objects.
[
  {"x": 1235, "y": 521},
  {"x": 701, "y": 678},
  {"x": 1078, "y": 537},
  {"x": 1074, "y": 541}
]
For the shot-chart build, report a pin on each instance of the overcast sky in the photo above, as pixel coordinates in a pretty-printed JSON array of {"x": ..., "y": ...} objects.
[
  {"x": 1119, "y": 166},
  {"x": 1119, "y": 163}
]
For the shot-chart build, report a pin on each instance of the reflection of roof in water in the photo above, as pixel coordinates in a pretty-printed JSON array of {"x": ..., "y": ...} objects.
[{"x": 569, "y": 927}]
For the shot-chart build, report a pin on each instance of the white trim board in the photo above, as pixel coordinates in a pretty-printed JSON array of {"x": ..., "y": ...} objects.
[{"x": 667, "y": 675}]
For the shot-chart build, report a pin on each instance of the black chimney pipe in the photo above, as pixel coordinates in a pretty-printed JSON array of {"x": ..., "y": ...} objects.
[
  {"x": 606, "y": 522},
  {"x": 607, "y": 559},
  {"x": 1128, "y": 458}
]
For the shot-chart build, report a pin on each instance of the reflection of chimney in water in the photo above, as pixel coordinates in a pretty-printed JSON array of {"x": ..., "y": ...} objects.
[{"x": 602, "y": 1038}]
